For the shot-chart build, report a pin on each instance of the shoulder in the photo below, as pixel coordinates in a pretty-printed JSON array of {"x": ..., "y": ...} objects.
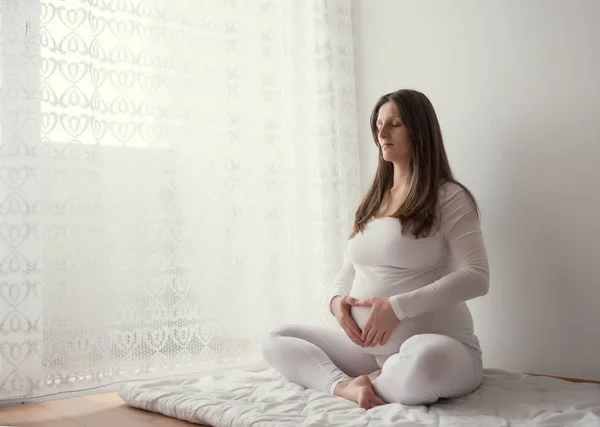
[
  {"x": 449, "y": 190},
  {"x": 455, "y": 202}
]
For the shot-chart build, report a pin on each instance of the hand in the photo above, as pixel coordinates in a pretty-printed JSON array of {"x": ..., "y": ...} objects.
[
  {"x": 340, "y": 307},
  {"x": 381, "y": 321}
]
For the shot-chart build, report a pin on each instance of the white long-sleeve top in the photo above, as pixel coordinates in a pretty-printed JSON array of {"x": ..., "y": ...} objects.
[{"x": 428, "y": 280}]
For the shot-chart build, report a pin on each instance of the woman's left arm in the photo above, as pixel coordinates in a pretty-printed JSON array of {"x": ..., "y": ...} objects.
[{"x": 470, "y": 279}]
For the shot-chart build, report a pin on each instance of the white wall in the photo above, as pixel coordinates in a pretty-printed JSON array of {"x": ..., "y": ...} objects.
[{"x": 516, "y": 85}]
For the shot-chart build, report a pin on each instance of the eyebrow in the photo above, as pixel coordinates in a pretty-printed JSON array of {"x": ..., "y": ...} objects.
[{"x": 390, "y": 119}]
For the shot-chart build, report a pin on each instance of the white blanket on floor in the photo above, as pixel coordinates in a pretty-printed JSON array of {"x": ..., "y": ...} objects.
[{"x": 266, "y": 399}]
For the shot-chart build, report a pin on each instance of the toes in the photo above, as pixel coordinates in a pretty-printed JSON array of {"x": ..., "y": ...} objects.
[
  {"x": 368, "y": 399},
  {"x": 364, "y": 399},
  {"x": 379, "y": 401}
]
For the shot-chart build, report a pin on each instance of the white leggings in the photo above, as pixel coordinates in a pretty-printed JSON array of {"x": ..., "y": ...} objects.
[{"x": 426, "y": 367}]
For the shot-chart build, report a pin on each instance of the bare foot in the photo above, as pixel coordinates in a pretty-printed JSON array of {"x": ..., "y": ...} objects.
[{"x": 359, "y": 390}]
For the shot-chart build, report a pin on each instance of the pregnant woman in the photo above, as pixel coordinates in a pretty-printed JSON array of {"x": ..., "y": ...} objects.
[{"x": 415, "y": 256}]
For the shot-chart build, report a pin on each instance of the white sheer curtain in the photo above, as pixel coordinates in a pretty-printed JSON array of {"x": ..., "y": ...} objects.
[{"x": 176, "y": 176}]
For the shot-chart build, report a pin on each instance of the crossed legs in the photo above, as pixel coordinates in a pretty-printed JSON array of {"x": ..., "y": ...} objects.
[{"x": 427, "y": 366}]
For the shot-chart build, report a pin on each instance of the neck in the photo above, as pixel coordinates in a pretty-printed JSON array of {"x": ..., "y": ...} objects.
[{"x": 402, "y": 176}]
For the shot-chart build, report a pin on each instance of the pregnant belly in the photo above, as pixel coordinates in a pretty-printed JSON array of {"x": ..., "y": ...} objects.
[
  {"x": 453, "y": 322},
  {"x": 403, "y": 331},
  {"x": 360, "y": 315}
]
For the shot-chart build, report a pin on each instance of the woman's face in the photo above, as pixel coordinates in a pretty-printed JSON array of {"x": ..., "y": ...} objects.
[{"x": 392, "y": 134}]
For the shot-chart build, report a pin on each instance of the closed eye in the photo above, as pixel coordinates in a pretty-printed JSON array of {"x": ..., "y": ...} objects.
[{"x": 379, "y": 125}]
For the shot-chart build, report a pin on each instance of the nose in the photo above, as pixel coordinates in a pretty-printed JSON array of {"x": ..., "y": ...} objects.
[{"x": 382, "y": 133}]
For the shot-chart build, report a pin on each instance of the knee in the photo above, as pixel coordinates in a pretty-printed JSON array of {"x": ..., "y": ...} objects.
[
  {"x": 417, "y": 381},
  {"x": 269, "y": 346},
  {"x": 430, "y": 367},
  {"x": 409, "y": 390}
]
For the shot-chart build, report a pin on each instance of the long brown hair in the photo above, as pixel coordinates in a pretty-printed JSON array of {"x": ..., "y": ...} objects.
[{"x": 429, "y": 166}]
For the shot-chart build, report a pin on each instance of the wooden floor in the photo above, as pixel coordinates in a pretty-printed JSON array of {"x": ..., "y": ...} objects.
[{"x": 97, "y": 410}]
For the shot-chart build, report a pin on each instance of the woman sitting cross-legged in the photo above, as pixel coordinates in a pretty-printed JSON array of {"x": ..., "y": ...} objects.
[{"x": 416, "y": 255}]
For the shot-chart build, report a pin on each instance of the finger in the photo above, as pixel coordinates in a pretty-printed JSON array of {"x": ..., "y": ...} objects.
[
  {"x": 365, "y": 302},
  {"x": 378, "y": 401},
  {"x": 370, "y": 337},
  {"x": 367, "y": 326},
  {"x": 350, "y": 301},
  {"x": 355, "y": 339},
  {"x": 354, "y": 331},
  {"x": 349, "y": 321},
  {"x": 365, "y": 331},
  {"x": 377, "y": 339}
]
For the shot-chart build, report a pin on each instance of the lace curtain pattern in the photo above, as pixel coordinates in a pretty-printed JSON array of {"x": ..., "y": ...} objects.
[{"x": 176, "y": 177}]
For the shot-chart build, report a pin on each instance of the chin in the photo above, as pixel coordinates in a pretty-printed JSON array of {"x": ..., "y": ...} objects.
[
  {"x": 387, "y": 158},
  {"x": 394, "y": 157}
]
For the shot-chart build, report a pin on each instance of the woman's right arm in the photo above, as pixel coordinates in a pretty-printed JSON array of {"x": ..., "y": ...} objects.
[
  {"x": 342, "y": 283},
  {"x": 340, "y": 302}
]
